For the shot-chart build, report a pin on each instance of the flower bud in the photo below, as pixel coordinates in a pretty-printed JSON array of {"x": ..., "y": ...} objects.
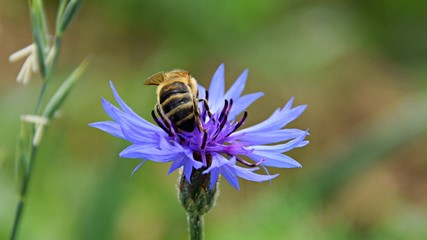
[{"x": 196, "y": 196}]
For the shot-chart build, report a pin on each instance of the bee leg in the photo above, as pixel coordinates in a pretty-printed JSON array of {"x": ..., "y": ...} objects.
[
  {"x": 198, "y": 120},
  {"x": 206, "y": 105},
  {"x": 199, "y": 124},
  {"x": 204, "y": 141},
  {"x": 161, "y": 124},
  {"x": 205, "y": 132},
  {"x": 162, "y": 116}
]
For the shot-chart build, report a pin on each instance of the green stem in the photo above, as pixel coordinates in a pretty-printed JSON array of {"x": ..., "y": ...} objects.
[
  {"x": 197, "y": 198},
  {"x": 49, "y": 76},
  {"x": 23, "y": 192},
  {"x": 17, "y": 218},
  {"x": 195, "y": 226},
  {"x": 41, "y": 98}
]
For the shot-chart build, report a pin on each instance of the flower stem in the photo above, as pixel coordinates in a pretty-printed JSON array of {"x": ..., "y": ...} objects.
[
  {"x": 195, "y": 226},
  {"x": 197, "y": 198}
]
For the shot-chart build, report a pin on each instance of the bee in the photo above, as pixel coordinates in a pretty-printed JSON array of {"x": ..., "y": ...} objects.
[{"x": 177, "y": 99}]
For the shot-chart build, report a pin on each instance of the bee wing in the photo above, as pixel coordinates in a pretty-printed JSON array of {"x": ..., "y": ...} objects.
[
  {"x": 156, "y": 79},
  {"x": 182, "y": 73}
]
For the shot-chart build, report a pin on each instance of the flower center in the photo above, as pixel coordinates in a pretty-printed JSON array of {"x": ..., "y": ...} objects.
[{"x": 214, "y": 135}]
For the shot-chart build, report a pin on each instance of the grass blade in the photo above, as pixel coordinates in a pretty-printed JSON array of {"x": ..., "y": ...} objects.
[
  {"x": 63, "y": 91},
  {"x": 70, "y": 11}
]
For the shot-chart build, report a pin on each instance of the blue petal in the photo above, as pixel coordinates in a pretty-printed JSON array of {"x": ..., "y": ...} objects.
[
  {"x": 214, "y": 177},
  {"x": 109, "y": 127},
  {"x": 280, "y": 148},
  {"x": 243, "y": 103},
  {"x": 268, "y": 137},
  {"x": 133, "y": 130},
  {"x": 138, "y": 135},
  {"x": 202, "y": 92},
  {"x": 294, "y": 113},
  {"x": 195, "y": 164},
  {"x": 137, "y": 167},
  {"x": 288, "y": 105},
  {"x": 303, "y": 144},
  {"x": 110, "y": 109},
  {"x": 176, "y": 164},
  {"x": 221, "y": 164},
  {"x": 277, "y": 160},
  {"x": 216, "y": 89},
  {"x": 231, "y": 177},
  {"x": 225, "y": 167},
  {"x": 248, "y": 174},
  {"x": 231, "y": 171},
  {"x": 217, "y": 162},
  {"x": 150, "y": 152},
  {"x": 237, "y": 88},
  {"x": 185, "y": 161},
  {"x": 188, "y": 168},
  {"x": 125, "y": 107},
  {"x": 130, "y": 115},
  {"x": 277, "y": 120}
]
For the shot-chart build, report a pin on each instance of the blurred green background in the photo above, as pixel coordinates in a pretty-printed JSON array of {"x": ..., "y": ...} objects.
[{"x": 360, "y": 65}]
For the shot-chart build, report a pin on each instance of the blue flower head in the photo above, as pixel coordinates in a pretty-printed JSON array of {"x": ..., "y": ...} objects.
[{"x": 222, "y": 147}]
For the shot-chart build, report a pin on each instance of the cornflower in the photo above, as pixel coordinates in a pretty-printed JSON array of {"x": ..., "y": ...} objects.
[{"x": 221, "y": 147}]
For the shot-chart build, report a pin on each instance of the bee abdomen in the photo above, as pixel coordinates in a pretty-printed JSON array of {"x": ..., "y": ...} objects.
[
  {"x": 177, "y": 104},
  {"x": 187, "y": 124},
  {"x": 172, "y": 89},
  {"x": 173, "y": 103},
  {"x": 183, "y": 117},
  {"x": 180, "y": 110}
]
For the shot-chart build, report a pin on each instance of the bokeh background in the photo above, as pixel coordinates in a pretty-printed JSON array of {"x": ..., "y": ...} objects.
[{"x": 360, "y": 65}]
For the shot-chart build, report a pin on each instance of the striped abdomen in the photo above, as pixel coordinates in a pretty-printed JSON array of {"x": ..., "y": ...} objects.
[{"x": 176, "y": 102}]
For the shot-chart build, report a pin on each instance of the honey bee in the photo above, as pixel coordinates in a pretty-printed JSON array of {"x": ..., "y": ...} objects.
[{"x": 177, "y": 98}]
